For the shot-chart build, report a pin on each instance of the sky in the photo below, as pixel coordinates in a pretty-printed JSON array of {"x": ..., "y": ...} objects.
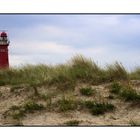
[{"x": 54, "y": 39}]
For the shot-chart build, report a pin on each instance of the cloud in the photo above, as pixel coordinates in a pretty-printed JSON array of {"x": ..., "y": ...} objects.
[
  {"x": 54, "y": 53},
  {"x": 52, "y": 49},
  {"x": 55, "y": 39}
]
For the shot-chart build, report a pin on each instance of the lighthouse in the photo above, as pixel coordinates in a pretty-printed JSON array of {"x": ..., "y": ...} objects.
[{"x": 4, "y": 43}]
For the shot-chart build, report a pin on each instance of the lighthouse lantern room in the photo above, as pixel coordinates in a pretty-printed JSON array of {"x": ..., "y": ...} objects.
[{"x": 4, "y": 43}]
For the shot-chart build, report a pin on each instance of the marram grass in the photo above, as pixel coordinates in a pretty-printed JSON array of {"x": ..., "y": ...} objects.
[{"x": 65, "y": 76}]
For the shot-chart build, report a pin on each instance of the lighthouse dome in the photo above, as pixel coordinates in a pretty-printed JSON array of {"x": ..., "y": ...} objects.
[{"x": 3, "y": 34}]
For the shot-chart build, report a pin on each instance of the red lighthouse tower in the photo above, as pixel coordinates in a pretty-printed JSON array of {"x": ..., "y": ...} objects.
[{"x": 4, "y": 43}]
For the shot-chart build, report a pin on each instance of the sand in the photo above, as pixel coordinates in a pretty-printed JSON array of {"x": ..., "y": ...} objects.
[{"x": 123, "y": 115}]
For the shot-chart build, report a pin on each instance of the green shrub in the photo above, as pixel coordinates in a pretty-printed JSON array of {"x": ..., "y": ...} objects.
[
  {"x": 99, "y": 108},
  {"x": 72, "y": 123},
  {"x": 126, "y": 92},
  {"x": 67, "y": 104},
  {"x": 16, "y": 112},
  {"x": 115, "y": 88},
  {"x": 31, "y": 106},
  {"x": 102, "y": 108},
  {"x": 129, "y": 94},
  {"x": 88, "y": 91}
]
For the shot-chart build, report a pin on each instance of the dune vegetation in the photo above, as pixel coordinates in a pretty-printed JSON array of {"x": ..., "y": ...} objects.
[
  {"x": 80, "y": 85},
  {"x": 78, "y": 69}
]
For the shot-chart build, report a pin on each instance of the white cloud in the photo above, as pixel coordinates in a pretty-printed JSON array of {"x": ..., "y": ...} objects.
[
  {"x": 24, "y": 53},
  {"x": 103, "y": 38},
  {"x": 54, "y": 53}
]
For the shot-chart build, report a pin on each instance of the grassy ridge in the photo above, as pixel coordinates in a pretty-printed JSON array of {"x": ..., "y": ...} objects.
[
  {"x": 78, "y": 69},
  {"x": 67, "y": 88}
]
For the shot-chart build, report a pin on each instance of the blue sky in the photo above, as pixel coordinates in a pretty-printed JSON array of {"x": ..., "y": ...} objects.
[{"x": 54, "y": 39}]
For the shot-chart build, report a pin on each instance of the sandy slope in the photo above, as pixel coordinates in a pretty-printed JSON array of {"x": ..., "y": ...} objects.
[{"x": 123, "y": 114}]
